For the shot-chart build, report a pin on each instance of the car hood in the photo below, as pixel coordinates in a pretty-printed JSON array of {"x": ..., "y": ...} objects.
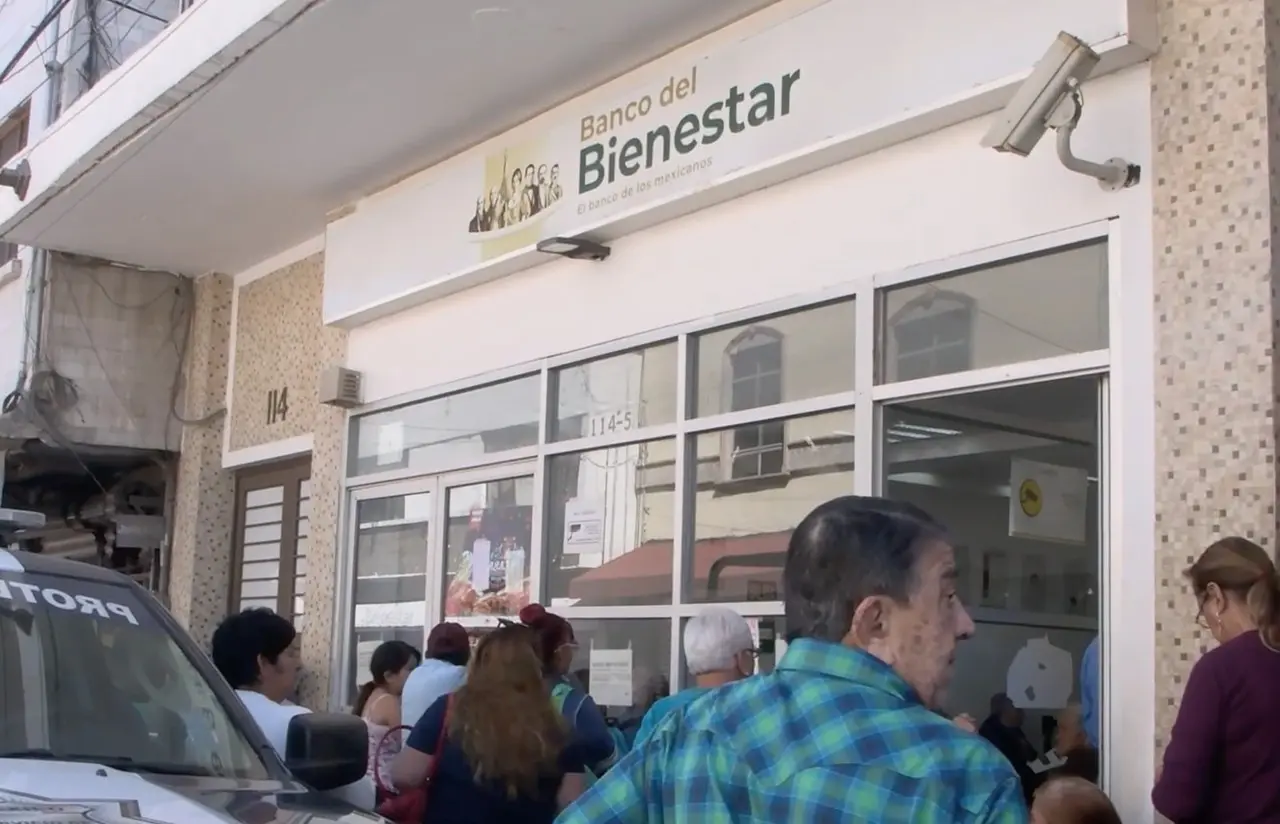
[{"x": 61, "y": 792}]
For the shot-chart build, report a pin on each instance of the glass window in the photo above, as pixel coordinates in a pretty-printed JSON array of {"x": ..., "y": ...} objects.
[
  {"x": 749, "y": 497},
  {"x": 448, "y": 431},
  {"x": 610, "y": 525},
  {"x": 790, "y": 357},
  {"x": 1035, "y": 307},
  {"x": 1012, "y": 475},
  {"x": 390, "y": 574},
  {"x": 486, "y": 550},
  {"x": 631, "y": 662},
  {"x": 108, "y": 686},
  {"x": 616, "y": 394}
]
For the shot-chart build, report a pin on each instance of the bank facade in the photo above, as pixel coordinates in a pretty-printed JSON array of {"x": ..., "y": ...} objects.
[{"x": 767, "y": 268}]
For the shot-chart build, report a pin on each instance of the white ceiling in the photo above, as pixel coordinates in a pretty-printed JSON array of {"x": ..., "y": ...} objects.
[{"x": 352, "y": 96}]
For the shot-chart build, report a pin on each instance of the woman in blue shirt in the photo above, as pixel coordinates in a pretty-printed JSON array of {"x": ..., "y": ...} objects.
[
  {"x": 495, "y": 751},
  {"x": 556, "y": 647}
]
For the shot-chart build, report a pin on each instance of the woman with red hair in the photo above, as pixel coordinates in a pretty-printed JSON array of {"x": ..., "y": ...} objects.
[{"x": 556, "y": 647}]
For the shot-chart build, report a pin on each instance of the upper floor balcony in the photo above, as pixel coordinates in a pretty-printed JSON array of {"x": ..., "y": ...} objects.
[{"x": 238, "y": 128}]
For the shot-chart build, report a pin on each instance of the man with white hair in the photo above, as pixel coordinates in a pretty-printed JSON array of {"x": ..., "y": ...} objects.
[{"x": 718, "y": 649}]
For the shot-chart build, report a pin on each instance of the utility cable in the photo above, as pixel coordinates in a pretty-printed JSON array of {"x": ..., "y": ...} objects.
[
  {"x": 162, "y": 122},
  {"x": 44, "y": 23}
]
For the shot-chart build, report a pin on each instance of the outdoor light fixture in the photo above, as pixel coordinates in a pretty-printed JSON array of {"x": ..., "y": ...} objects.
[
  {"x": 18, "y": 178},
  {"x": 574, "y": 247},
  {"x": 1051, "y": 98}
]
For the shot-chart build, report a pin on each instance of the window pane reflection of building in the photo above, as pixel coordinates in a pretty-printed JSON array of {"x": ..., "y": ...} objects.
[
  {"x": 773, "y": 360},
  {"x": 390, "y": 574},
  {"x": 1012, "y": 475},
  {"x": 610, "y": 525},
  {"x": 1036, "y": 307},
  {"x": 616, "y": 394},
  {"x": 745, "y": 504},
  {"x": 648, "y": 642},
  {"x": 487, "y": 548},
  {"x": 449, "y": 431}
]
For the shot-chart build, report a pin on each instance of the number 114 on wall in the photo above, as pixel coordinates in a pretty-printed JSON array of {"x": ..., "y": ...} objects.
[{"x": 277, "y": 405}]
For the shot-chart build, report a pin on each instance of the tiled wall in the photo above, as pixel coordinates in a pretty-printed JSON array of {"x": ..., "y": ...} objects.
[
  {"x": 1214, "y": 304},
  {"x": 281, "y": 343},
  {"x": 200, "y": 560}
]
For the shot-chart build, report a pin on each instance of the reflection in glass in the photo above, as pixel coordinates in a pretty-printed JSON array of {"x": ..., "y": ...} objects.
[
  {"x": 616, "y": 394},
  {"x": 790, "y": 357},
  {"x": 1031, "y": 560},
  {"x": 643, "y": 643},
  {"x": 390, "y": 574},
  {"x": 1036, "y": 307},
  {"x": 448, "y": 431},
  {"x": 742, "y": 522},
  {"x": 610, "y": 525},
  {"x": 487, "y": 547}
]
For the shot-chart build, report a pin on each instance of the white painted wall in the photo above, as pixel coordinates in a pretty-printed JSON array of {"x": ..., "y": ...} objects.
[
  {"x": 29, "y": 81},
  {"x": 925, "y": 200}
]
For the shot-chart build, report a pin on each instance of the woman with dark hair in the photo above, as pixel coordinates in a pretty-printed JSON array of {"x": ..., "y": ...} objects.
[
  {"x": 556, "y": 648},
  {"x": 495, "y": 751},
  {"x": 378, "y": 701},
  {"x": 1223, "y": 760}
]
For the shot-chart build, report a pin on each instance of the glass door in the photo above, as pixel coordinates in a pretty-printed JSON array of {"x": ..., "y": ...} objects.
[
  {"x": 389, "y": 532},
  {"x": 488, "y": 525}
]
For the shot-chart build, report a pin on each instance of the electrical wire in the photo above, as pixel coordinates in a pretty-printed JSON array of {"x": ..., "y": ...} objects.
[
  {"x": 44, "y": 23},
  {"x": 111, "y": 80},
  {"x": 69, "y": 33},
  {"x": 162, "y": 122}
]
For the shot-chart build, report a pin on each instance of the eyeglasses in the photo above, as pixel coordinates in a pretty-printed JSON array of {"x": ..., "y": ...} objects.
[{"x": 1201, "y": 620}]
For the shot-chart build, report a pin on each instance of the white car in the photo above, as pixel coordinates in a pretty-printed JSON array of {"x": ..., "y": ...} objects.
[{"x": 110, "y": 714}]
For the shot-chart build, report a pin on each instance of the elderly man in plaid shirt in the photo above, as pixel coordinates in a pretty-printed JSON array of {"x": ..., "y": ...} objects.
[{"x": 845, "y": 728}]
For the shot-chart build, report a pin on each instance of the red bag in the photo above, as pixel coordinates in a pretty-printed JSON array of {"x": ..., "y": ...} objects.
[{"x": 410, "y": 806}]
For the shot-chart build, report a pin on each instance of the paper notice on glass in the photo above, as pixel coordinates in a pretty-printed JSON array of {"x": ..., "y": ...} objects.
[
  {"x": 481, "y": 564},
  {"x": 1040, "y": 677},
  {"x": 390, "y": 443},
  {"x": 610, "y": 677},
  {"x": 515, "y": 569},
  {"x": 1048, "y": 502},
  {"x": 583, "y": 526}
]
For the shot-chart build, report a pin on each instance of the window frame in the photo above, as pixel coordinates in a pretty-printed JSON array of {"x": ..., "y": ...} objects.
[
  {"x": 754, "y": 336},
  {"x": 865, "y": 399}
]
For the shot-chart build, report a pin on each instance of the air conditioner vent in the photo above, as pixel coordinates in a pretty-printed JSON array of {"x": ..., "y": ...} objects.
[{"x": 340, "y": 387}]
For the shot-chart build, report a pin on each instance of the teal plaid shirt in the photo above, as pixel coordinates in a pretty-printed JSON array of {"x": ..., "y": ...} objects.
[{"x": 833, "y": 734}]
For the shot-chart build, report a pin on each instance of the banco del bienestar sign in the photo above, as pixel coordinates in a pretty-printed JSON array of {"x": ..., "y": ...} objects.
[
  {"x": 836, "y": 73},
  {"x": 613, "y": 152}
]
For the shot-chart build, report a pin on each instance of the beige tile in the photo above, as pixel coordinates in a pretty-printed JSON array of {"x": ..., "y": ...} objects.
[{"x": 1214, "y": 304}]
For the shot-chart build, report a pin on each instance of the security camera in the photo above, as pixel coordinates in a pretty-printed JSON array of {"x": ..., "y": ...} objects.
[
  {"x": 1052, "y": 98},
  {"x": 1066, "y": 65}
]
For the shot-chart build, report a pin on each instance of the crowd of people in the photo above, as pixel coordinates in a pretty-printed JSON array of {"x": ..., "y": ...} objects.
[{"x": 847, "y": 727}]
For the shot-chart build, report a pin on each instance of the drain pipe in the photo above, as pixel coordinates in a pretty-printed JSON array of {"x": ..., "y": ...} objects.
[{"x": 32, "y": 325}]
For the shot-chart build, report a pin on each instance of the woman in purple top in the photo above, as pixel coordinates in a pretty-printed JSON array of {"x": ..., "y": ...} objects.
[{"x": 1223, "y": 760}]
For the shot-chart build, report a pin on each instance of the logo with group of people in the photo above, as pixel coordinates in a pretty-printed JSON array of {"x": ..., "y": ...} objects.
[{"x": 521, "y": 193}]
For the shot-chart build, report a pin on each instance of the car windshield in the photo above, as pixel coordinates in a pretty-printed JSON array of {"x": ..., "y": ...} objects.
[{"x": 88, "y": 673}]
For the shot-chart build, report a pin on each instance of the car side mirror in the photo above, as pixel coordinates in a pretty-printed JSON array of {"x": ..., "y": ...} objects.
[{"x": 327, "y": 750}]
